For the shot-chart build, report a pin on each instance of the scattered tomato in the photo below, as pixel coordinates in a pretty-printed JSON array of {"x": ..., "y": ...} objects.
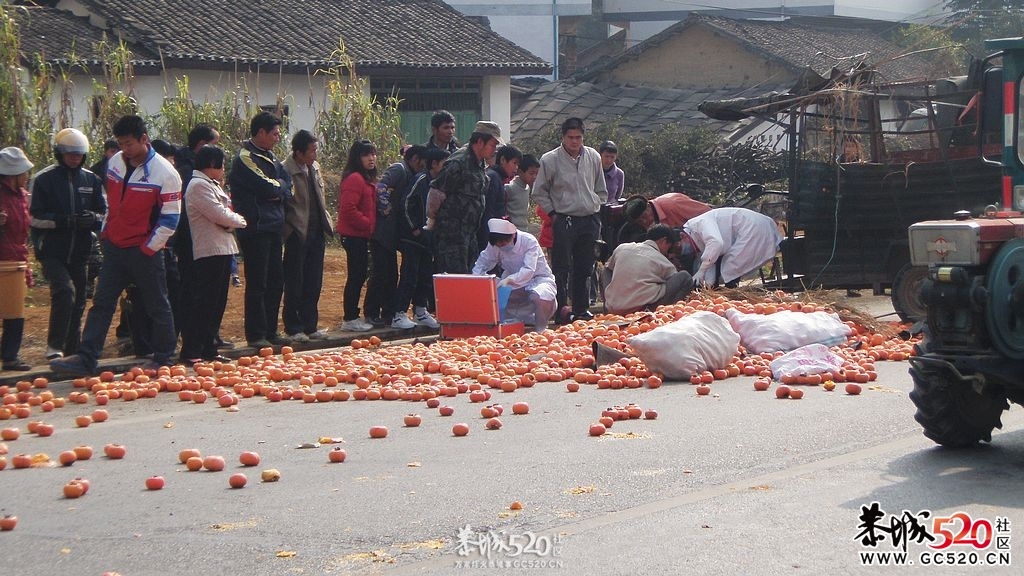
[
  {"x": 154, "y": 483},
  {"x": 337, "y": 454},
  {"x": 214, "y": 463},
  {"x": 249, "y": 458},
  {"x": 8, "y": 522}
]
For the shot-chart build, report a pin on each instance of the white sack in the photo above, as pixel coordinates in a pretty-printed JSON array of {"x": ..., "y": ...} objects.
[
  {"x": 787, "y": 330},
  {"x": 690, "y": 345},
  {"x": 810, "y": 359}
]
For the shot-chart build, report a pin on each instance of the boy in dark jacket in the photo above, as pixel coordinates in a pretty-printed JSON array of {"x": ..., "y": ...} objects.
[
  {"x": 415, "y": 282},
  {"x": 67, "y": 209}
]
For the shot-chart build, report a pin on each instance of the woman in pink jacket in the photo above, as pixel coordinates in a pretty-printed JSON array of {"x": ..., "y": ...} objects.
[{"x": 357, "y": 217}]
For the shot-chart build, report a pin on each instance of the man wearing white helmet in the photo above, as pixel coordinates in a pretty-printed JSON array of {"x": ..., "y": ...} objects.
[{"x": 67, "y": 209}]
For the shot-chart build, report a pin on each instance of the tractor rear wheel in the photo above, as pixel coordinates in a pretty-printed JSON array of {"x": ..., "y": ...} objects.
[{"x": 949, "y": 408}]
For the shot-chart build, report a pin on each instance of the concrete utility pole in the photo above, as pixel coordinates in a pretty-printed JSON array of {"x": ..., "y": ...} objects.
[{"x": 554, "y": 34}]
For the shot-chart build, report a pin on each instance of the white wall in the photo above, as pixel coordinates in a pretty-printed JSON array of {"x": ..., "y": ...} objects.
[
  {"x": 496, "y": 105},
  {"x": 305, "y": 96}
]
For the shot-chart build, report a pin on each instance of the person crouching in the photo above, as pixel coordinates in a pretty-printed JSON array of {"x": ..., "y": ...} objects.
[
  {"x": 639, "y": 274},
  {"x": 524, "y": 269}
]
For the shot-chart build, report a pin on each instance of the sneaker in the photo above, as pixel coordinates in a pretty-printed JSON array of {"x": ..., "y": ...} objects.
[
  {"x": 299, "y": 337},
  {"x": 236, "y": 281},
  {"x": 402, "y": 322},
  {"x": 318, "y": 335},
  {"x": 278, "y": 340},
  {"x": 17, "y": 364},
  {"x": 262, "y": 343},
  {"x": 74, "y": 365},
  {"x": 53, "y": 353},
  {"x": 424, "y": 318},
  {"x": 355, "y": 325}
]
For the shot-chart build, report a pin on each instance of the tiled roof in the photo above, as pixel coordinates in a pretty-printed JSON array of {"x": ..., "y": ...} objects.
[
  {"x": 639, "y": 109},
  {"x": 800, "y": 42},
  {"x": 55, "y": 35},
  {"x": 379, "y": 35}
]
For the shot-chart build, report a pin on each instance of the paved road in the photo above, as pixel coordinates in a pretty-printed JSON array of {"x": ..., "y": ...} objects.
[{"x": 735, "y": 483}]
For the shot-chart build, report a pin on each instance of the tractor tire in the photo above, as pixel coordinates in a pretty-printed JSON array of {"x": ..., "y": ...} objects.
[
  {"x": 906, "y": 293},
  {"x": 949, "y": 409}
]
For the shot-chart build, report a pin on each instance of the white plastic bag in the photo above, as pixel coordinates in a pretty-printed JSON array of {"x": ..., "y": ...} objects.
[
  {"x": 698, "y": 342},
  {"x": 810, "y": 359},
  {"x": 786, "y": 330}
]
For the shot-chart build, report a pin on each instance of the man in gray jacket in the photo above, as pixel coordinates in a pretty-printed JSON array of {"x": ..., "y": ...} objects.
[
  {"x": 570, "y": 188},
  {"x": 306, "y": 228}
]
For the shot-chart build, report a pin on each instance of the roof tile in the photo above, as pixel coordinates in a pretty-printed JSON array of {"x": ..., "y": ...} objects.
[{"x": 392, "y": 34}]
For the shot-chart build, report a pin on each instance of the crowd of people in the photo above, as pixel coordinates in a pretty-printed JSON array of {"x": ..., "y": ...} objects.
[{"x": 169, "y": 228}]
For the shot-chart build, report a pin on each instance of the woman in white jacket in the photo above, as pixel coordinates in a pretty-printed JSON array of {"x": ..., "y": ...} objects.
[{"x": 212, "y": 223}]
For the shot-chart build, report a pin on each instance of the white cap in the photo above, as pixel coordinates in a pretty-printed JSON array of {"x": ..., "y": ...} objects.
[{"x": 500, "y": 226}]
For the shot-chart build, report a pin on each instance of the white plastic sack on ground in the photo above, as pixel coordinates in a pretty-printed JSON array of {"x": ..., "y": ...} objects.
[
  {"x": 787, "y": 330},
  {"x": 698, "y": 342},
  {"x": 810, "y": 359}
]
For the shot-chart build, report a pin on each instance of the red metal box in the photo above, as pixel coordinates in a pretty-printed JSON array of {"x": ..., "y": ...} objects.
[
  {"x": 466, "y": 299},
  {"x": 449, "y": 331}
]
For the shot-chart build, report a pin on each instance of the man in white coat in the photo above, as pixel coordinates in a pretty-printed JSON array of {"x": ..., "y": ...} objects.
[
  {"x": 731, "y": 242},
  {"x": 524, "y": 269}
]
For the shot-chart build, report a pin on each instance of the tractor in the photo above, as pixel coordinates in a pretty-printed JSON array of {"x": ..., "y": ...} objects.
[{"x": 971, "y": 360}]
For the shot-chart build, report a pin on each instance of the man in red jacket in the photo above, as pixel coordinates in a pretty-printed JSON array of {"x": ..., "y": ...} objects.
[{"x": 143, "y": 197}]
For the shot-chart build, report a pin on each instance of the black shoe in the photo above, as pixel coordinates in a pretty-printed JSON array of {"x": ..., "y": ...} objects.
[
  {"x": 189, "y": 362},
  {"x": 17, "y": 365},
  {"x": 585, "y": 315},
  {"x": 377, "y": 322},
  {"x": 74, "y": 365},
  {"x": 218, "y": 358},
  {"x": 259, "y": 343},
  {"x": 223, "y": 344},
  {"x": 278, "y": 340},
  {"x": 236, "y": 281}
]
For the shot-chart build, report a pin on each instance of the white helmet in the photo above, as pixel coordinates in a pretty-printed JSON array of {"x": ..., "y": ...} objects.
[{"x": 70, "y": 141}]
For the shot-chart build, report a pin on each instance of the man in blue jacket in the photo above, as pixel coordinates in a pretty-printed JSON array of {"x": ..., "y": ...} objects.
[
  {"x": 259, "y": 187},
  {"x": 67, "y": 210}
]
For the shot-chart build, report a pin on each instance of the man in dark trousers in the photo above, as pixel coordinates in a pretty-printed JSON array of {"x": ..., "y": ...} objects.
[
  {"x": 570, "y": 189},
  {"x": 67, "y": 209},
  {"x": 143, "y": 197},
  {"x": 259, "y": 187},
  {"x": 307, "y": 225}
]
